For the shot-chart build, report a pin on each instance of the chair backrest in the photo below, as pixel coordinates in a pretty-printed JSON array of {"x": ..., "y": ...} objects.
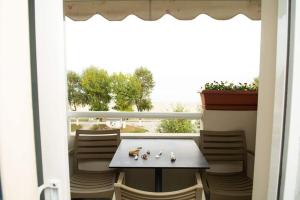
[
  {"x": 95, "y": 145},
  {"x": 123, "y": 192},
  {"x": 224, "y": 146}
]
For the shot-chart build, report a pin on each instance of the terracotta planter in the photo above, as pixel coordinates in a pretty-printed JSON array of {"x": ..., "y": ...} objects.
[{"x": 229, "y": 100}]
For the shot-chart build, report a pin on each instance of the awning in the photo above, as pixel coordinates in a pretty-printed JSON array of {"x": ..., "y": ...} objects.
[{"x": 116, "y": 10}]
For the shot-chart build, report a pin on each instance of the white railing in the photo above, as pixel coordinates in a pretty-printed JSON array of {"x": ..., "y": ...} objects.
[
  {"x": 138, "y": 115},
  {"x": 147, "y": 120}
]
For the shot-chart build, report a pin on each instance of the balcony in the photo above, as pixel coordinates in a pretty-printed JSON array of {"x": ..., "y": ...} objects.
[
  {"x": 25, "y": 118},
  {"x": 143, "y": 179}
]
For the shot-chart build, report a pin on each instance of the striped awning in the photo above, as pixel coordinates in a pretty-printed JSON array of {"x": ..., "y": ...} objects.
[{"x": 116, "y": 10}]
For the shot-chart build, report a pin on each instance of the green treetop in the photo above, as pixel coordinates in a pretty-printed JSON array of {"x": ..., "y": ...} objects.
[
  {"x": 125, "y": 89},
  {"x": 97, "y": 85},
  {"x": 76, "y": 95},
  {"x": 143, "y": 100}
]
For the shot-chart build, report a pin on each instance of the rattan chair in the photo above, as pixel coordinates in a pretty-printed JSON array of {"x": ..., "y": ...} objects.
[
  {"x": 93, "y": 146},
  {"x": 123, "y": 192},
  {"x": 226, "y": 146}
]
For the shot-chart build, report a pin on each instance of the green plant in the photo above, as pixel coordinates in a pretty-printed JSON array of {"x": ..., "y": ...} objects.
[
  {"x": 231, "y": 86},
  {"x": 256, "y": 81},
  {"x": 74, "y": 127},
  {"x": 99, "y": 127},
  {"x": 176, "y": 125},
  {"x": 133, "y": 129},
  {"x": 128, "y": 129}
]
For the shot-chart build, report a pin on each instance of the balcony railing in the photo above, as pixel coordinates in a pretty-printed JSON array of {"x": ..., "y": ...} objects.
[
  {"x": 138, "y": 115},
  {"x": 149, "y": 120}
]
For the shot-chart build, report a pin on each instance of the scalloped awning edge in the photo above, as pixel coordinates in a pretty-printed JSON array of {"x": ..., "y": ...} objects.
[{"x": 150, "y": 10}]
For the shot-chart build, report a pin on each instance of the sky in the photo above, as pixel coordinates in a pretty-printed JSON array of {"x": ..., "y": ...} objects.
[{"x": 182, "y": 55}]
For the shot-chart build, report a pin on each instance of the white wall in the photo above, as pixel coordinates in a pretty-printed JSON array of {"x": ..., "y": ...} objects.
[
  {"x": 266, "y": 100},
  {"x": 17, "y": 152},
  {"x": 271, "y": 98}
]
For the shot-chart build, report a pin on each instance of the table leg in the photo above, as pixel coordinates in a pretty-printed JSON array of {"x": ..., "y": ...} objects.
[{"x": 158, "y": 179}]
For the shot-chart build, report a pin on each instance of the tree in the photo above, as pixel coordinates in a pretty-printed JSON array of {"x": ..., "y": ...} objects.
[
  {"x": 96, "y": 84},
  {"x": 125, "y": 89},
  {"x": 176, "y": 125},
  {"x": 76, "y": 95},
  {"x": 143, "y": 100}
]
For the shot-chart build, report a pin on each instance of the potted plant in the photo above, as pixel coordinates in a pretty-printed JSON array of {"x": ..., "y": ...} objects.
[{"x": 229, "y": 96}]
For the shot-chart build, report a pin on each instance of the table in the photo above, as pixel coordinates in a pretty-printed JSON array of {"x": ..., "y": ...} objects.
[{"x": 188, "y": 156}]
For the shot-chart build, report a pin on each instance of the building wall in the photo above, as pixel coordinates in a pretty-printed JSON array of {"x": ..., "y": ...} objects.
[
  {"x": 17, "y": 148},
  {"x": 271, "y": 97}
]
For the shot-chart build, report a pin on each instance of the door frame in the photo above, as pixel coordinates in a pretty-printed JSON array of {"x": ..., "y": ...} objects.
[
  {"x": 289, "y": 183},
  {"x": 52, "y": 99},
  {"x": 52, "y": 95}
]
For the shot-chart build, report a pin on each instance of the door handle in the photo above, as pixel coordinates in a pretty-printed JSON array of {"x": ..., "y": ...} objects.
[{"x": 52, "y": 190}]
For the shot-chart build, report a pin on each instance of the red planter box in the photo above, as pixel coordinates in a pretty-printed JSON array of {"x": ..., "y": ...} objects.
[{"x": 229, "y": 100}]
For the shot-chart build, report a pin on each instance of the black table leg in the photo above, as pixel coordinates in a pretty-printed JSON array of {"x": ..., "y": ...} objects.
[{"x": 158, "y": 179}]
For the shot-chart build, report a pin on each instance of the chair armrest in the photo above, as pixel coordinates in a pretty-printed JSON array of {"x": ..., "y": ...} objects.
[
  {"x": 198, "y": 179},
  {"x": 118, "y": 185},
  {"x": 251, "y": 153},
  {"x": 205, "y": 185},
  {"x": 71, "y": 152},
  {"x": 121, "y": 178}
]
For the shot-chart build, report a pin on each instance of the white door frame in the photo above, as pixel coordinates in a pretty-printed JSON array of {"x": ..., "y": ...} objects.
[
  {"x": 270, "y": 113},
  {"x": 272, "y": 128},
  {"x": 52, "y": 94},
  {"x": 33, "y": 99},
  {"x": 290, "y": 170},
  {"x": 51, "y": 78}
]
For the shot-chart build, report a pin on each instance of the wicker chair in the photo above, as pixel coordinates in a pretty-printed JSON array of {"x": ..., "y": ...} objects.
[
  {"x": 93, "y": 146},
  {"x": 225, "y": 146},
  {"x": 123, "y": 192}
]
